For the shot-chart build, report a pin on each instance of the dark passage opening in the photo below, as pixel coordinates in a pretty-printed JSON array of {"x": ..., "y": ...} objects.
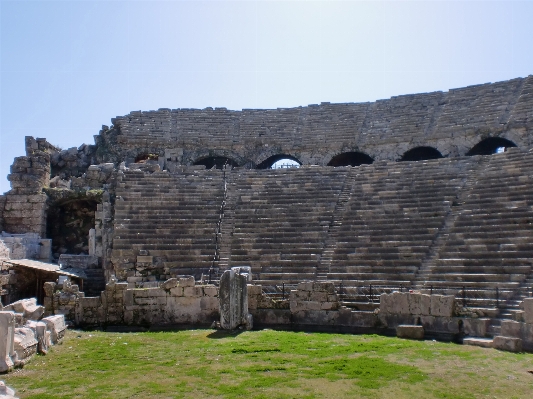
[
  {"x": 491, "y": 145},
  {"x": 350, "y": 159},
  {"x": 217, "y": 162},
  {"x": 421, "y": 154},
  {"x": 68, "y": 226},
  {"x": 279, "y": 161}
]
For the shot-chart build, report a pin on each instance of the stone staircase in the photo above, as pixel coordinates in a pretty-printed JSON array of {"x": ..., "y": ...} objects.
[
  {"x": 394, "y": 214},
  {"x": 489, "y": 247},
  {"x": 166, "y": 225},
  {"x": 281, "y": 220}
]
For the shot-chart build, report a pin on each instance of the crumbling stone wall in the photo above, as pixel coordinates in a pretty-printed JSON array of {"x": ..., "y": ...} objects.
[
  {"x": 451, "y": 122},
  {"x": 24, "y": 207},
  {"x": 175, "y": 302}
]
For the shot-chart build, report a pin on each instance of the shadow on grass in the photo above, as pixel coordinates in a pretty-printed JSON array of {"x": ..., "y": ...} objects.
[{"x": 219, "y": 334}]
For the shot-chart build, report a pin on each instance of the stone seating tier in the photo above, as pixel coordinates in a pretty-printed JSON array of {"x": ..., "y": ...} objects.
[{"x": 446, "y": 223}]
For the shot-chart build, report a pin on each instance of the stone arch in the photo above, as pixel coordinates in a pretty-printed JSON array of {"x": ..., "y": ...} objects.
[
  {"x": 267, "y": 163},
  {"x": 490, "y": 145},
  {"x": 421, "y": 153},
  {"x": 352, "y": 158},
  {"x": 216, "y": 161}
]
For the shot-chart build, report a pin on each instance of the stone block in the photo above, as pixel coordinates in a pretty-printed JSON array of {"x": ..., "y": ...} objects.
[
  {"x": 49, "y": 288},
  {"x": 170, "y": 283},
  {"x": 212, "y": 291},
  {"x": 318, "y": 296},
  {"x": 442, "y": 305},
  {"x": 28, "y": 307},
  {"x": 400, "y": 303},
  {"x": 324, "y": 286},
  {"x": 145, "y": 259},
  {"x": 510, "y": 328},
  {"x": 41, "y": 334},
  {"x": 410, "y": 331},
  {"x": 57, "y": 327},
  {"x": 254, "y": 290},
  {"x": 509, "y": 344},
  {"x": 90, "y": 302},
  {"x": 476, "y": 327},
  {"x": 209, "y": 303},
  {"x": 7, "y": 332},
  {"x": 176, "y": 291},
  {"x": 305, "y": 286},
  {"x": 186, "y": 281},
  {"x": 528, "y": 310},
  {"x": 419, "y": 304},
  {"x": 25, "y": 344}
]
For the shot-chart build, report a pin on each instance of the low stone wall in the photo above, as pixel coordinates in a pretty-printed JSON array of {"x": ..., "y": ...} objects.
[
  {"x": 438, "y": 314},
  {"x": 520, "y": 329},
  {"x": 175, "y": 302}
]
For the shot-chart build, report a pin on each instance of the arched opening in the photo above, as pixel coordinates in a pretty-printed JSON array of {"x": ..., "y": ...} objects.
[
  {"x": 350, "y": 159},
  {"x": 491, "y": 145},
  {"x": 279, "y": 161},
  {"x": 216, "y": 162},
  {"x": 421, "y": 154},
  {"x": 68, "y": 226}
]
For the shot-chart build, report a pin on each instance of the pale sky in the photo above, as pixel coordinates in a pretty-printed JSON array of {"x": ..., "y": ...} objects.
[{"x": 68, "y": 67}]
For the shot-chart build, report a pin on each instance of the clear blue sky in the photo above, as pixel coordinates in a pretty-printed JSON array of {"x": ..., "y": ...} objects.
[{"x": 68, "y": 67}]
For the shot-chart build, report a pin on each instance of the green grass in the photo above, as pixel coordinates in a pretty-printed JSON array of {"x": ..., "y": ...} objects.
[{"x": 268, "y": 364}]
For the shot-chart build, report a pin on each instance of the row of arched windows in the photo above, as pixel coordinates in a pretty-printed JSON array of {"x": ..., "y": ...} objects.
[{"x": 488, "y": 146}]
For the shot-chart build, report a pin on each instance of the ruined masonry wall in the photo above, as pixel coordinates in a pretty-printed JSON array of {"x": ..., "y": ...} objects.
[{"x": 452, "y": 122}]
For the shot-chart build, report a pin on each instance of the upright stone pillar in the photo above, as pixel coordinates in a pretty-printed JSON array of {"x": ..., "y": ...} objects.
[
  {"x": 7, "y": 336},
  {"x": 233, "y": 295}
]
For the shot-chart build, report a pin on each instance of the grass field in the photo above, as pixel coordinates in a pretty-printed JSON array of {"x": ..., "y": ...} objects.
[{"x": 268, "y": 364}]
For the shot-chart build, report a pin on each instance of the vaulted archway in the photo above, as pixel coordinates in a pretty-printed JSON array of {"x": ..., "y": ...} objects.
[
  {"x": 421, "y": 154},
  {"x": 217, "y": 162},
  {"x": 491, "y": 145},
  {"x": 279, "y": 161},
  {"x": 351, "y": 159}
]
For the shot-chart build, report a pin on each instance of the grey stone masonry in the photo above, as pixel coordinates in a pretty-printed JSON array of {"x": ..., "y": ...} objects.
[{"x": 452, "y": 122}]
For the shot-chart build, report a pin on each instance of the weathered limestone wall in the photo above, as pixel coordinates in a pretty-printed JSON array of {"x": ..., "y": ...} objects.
[
  {"x": 176, "y": 302},
  {"x": 452, "y": 122}
]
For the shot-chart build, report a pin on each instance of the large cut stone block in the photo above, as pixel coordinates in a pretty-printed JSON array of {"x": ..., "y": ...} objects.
[
  {"x": 409, "y": 331},
  {"x": 28, "y": 307},
  {"x": 509, "y": 344},
  {"x": 419, "y": 304},
  {"x": 7, "y": 332},
  {"x": 25, "y": 344},
  {"x": 476, "y": 327},
  {"x": 57, "y": 327},
  {"x": 442, "y": 305},
  {"x": 528, "y": 310},
  {"x": 41, "y": 334}
]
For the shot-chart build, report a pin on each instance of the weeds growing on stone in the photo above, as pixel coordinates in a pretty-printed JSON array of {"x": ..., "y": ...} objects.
[{"x": 268, "y": 364}]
